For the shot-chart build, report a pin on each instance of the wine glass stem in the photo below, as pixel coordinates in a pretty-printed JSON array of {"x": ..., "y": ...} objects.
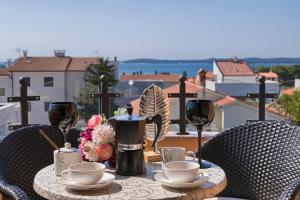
[
  {"x": 199, "y": 129},
  {"x": 65, "y": 136}
]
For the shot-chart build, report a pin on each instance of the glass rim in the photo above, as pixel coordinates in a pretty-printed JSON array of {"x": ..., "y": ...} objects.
[
  {"x": 62, "y": 102},
  {"x": 199, "y": 100}
]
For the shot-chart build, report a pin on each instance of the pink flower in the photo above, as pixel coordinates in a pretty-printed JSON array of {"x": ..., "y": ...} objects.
[
  {"x": 103, "y": 151},
  {"x": 94, "y": 121},
  {"x": 103, "y": 134},
  {"x": 87, "y": 134}
]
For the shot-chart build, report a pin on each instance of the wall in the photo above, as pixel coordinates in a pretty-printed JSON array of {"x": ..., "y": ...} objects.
[
  {"x": 237, "y": 114},
  {"x": 239, "y": 79},
  {"x": 297, "y": 83},
  {"x": 217, "y": 72},
  {"x": 210, "y": 85},
  {"x": 74, "y": 84},
  {"x": 5, "y": 82},
  {"x": 38, "y": 115},
  {"x": 219, "y": 118},
  {"x": 9, "y": 114},
  {"x": 241, "y": 89}
]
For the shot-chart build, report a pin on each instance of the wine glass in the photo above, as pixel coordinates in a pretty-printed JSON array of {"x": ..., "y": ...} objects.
[
  {"x": 200, "y": 113},
  {"x": 64, "y": 116}
]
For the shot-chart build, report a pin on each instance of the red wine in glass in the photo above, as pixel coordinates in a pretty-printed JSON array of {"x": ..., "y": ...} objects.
[
  {"x": 200, "y": 113},
  {"x": 64, "y": 116}
]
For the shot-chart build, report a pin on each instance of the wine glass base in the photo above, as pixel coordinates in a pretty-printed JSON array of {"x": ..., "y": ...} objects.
[{"x": 204, "y": 165}]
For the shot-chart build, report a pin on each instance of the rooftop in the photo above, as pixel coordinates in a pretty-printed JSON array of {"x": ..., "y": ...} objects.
[
  {"x": 234, "y": 68},
  {"x": 4, "y": 72},
  {"x": 288, "y": 91},
  {"x": 268, "y": 74},
  {"x": 81, "y": 63},
  {"x": 163, "y": 77},
  {"x": 225, "y": 101},
  {"x": 51, "y": 64}
]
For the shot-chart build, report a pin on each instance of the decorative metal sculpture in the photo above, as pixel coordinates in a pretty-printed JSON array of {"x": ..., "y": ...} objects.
[{"x": 155, "y": 101}]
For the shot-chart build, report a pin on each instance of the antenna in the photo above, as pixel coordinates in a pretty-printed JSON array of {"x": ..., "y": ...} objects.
[
  {"x": 96, "y": 52},
  {"x": 19, "y": 50}
]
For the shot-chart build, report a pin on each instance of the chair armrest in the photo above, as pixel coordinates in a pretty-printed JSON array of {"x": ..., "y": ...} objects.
[
  {"x": 12, "y": 191},
  {"x": 291, "y": 191}
]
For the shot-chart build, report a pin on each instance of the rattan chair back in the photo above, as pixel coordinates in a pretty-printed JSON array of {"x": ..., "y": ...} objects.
[{"x": 259, "y": 158}]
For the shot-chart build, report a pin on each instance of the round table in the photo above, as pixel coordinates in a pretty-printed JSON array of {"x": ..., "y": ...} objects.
[{"x": 130, "y": 187}]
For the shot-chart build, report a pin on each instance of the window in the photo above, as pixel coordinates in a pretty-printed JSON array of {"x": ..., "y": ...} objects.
[
  {"x": 28, "y": 80},
  {"x": 46, "y": 106},
  {"x": 2, "y": 91},
  {"x": 48, "y": 82}
]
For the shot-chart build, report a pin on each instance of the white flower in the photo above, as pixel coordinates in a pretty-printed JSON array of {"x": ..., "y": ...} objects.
[{"x": 103, "y": 134}]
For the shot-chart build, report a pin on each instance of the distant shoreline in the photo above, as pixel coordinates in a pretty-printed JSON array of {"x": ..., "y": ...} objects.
[{"x": 210, "y": 60}]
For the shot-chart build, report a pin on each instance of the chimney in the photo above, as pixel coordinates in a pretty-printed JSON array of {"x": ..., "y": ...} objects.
[
  {"x": 235, "y": 59},
  {"x": 202, "y": 77},
  {"x": 25, "y": 53},
  {"x": 59, "y": 53},
  {"x": 9, "y": 62}
]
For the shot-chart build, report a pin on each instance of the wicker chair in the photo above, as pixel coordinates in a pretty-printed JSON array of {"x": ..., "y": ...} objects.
[
  {"x": 23, "y": 153},
  {"x": 261, "y": 160}
]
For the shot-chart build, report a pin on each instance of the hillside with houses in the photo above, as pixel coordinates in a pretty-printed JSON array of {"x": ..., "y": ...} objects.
[{"x": 61, "y": 78}]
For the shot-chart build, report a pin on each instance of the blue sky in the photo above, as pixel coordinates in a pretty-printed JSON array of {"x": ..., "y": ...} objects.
[{"x": 166, "y": 29}]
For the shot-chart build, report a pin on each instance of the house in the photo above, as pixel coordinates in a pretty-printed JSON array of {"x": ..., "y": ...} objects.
[
  {"x": 270, "y": 76},
  {"x": 290, "y": 91},
  {"x": 54, "y": 78},
  {"x": 229, "y": 111},
  {"x": 5, "y": 84},
  {"x": 235, "y": 78},
  {"x": 167, "y": 79},
  {"x": 233, "y": 71},
  {"x": 10, "y": 113}
]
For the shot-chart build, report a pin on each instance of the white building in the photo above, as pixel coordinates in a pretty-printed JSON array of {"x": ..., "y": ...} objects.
[
  {"x": 5, "y": 85},
  {"x": 55, "y": 79},
  {"x": 9, "y": 114},
  {"x": 235, "y": 78},
  {"x": 297, "y": 83}
]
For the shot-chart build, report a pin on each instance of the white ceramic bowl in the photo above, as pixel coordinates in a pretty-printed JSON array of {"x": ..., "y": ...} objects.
[
  {"x": 86, "y": 173},
  {"x": 181, "y": 171}
]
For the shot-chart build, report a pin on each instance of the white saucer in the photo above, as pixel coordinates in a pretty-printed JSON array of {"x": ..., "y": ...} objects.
[
  {"x": 162, "y": 179},
  {"x": 106, "y": 180}
]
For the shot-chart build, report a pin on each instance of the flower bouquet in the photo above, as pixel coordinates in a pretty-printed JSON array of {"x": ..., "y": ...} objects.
[{"x": 97, "y": 141}]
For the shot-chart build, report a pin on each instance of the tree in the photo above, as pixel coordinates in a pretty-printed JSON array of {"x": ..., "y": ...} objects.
[
  {"x": 95, "y": 71},
  {"x": 290, "y": 105},
  {"x": 88, "y": 106}
]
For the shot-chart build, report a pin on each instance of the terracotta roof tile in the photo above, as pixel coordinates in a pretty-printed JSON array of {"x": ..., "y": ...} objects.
[
  {"x": 232, "y": 68},
  {"x": 189, "y": 88},
  {"x": 225, "y": 101},
  {"x": 39, "y": 64},
  {"x": 163, "y": 77},
  {"x": 4, "y": 72},
  {"x": 210, "y": 75},
  {"x": 268, "y": 74},
  {"x": 81, "y": 63},
  {"x": 288, "y": 91}
]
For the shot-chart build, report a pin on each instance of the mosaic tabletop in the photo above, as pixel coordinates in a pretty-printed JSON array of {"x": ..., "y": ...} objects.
[{"x": 130, "y": 187}]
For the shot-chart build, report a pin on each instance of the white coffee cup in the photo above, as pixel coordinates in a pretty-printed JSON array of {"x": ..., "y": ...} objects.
[
  {"x": 181, "y": 171},
  {"x": 174, "y": 154},
  {"x": 86, "y": 173}
]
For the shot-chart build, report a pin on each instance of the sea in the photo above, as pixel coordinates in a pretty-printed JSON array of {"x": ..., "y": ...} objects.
[{"x": 176, "y": 68}]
